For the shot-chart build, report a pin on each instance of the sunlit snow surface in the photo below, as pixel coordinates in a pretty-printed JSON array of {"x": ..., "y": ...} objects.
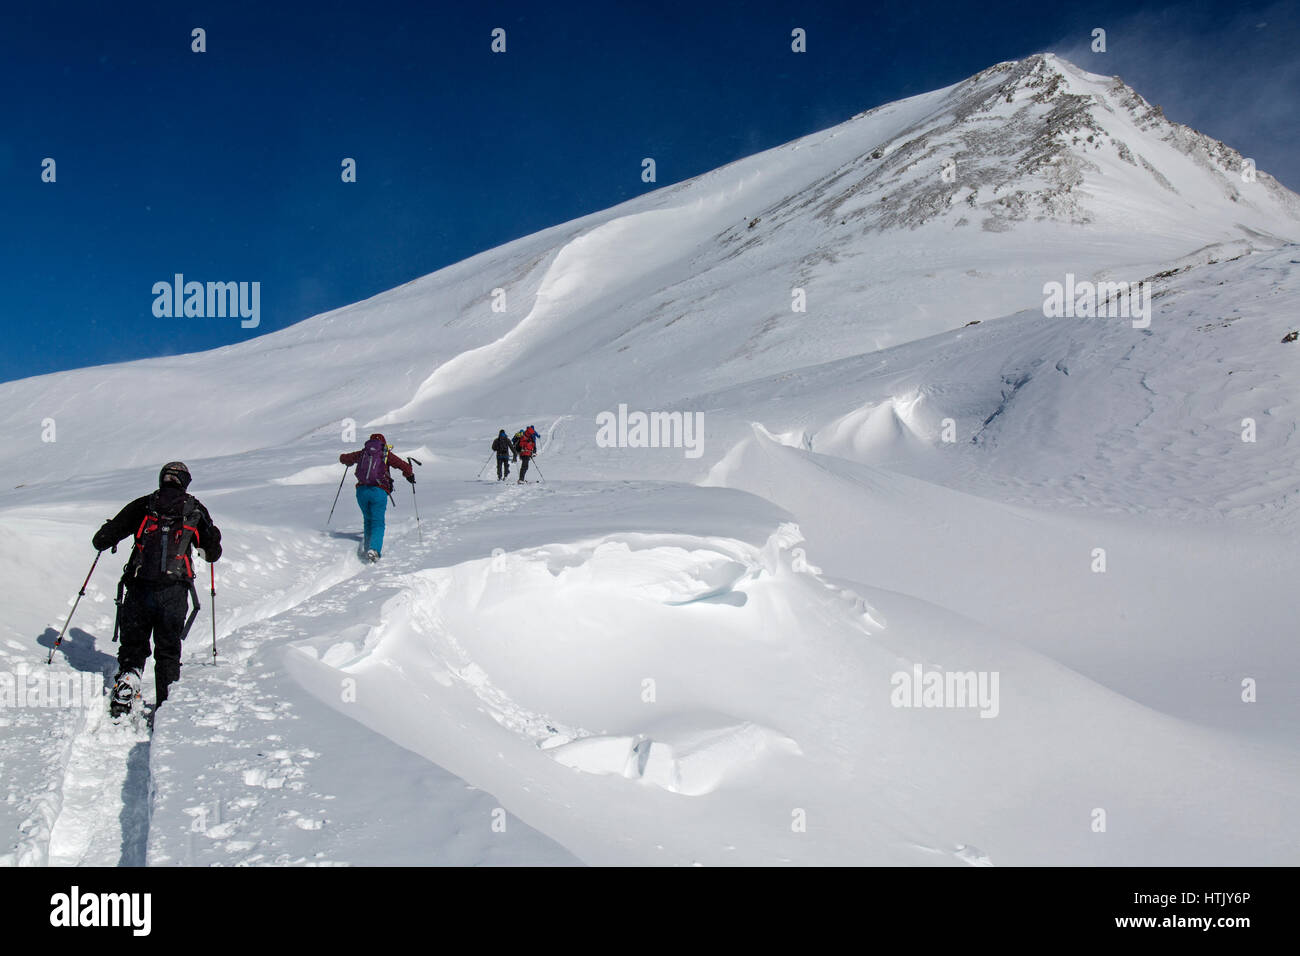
[{"x": 655, "y": 658}]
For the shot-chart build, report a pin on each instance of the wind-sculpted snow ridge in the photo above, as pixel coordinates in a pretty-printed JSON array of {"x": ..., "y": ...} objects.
[
  {"x": 1192, "y": 419},
  {"x": 1002, "y": 564},
  {"x": 573, "y": 686},
  {"x": 756, "y": 685},
  {"x": 1059, "y": 171},
  {"x": 605, "y": 268}
]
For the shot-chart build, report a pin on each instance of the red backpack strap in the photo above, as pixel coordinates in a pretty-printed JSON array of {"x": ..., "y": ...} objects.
[
  {"x": 190, "y": 517},
  {"x": 150, "y": 514}
]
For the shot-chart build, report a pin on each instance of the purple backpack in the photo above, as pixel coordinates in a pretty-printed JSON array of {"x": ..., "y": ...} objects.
[{"x": 373, "y": 466}]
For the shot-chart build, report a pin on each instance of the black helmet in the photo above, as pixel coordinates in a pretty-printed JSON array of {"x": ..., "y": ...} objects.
[{"x": 174, "y": 473}]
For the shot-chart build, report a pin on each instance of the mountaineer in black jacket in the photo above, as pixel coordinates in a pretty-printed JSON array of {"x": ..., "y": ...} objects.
[
  {"x": 158, "y": 578},
  {"x": 503, "y": 448}
]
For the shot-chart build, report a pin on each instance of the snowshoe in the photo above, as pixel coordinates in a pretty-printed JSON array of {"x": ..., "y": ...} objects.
[{"x": 126, "y": 691}]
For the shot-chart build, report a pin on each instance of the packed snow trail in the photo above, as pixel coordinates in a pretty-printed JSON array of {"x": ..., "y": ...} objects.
[
  {"x": 250, "y": 771},
  {"x": 96, "y": 807}
]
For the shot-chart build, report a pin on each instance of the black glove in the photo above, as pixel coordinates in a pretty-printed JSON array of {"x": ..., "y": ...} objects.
[
  {"x": 102, "y": 542},
  {"x": 411, "y": 478},
  {"x": 212, "y": 553}
]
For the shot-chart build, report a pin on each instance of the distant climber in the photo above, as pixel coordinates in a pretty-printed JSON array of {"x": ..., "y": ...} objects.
[
  {"x": 374, "y": 488},
  {"x": 503, "y": 448},
  {"x": 158, "y": 579},
  {"x": 527, "y": 449}
]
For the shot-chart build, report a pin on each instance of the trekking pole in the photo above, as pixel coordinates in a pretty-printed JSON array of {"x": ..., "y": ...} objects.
[
  {"x": 419, "y": 533},
  {"x": 416, "y": 501},
  {"x": 80, "y": 594},
  {"x": 212, "y": 572},
  {"x": 336, "y": 495},
  {"x": 485, "y": 464},
  {"x": 539, "y": 471}
]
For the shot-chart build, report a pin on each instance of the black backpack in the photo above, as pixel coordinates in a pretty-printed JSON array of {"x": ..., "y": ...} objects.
[{"x": 162, "y": 543}]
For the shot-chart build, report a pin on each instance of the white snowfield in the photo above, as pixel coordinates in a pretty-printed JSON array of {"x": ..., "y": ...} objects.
[{"x": 932, "y": 592}]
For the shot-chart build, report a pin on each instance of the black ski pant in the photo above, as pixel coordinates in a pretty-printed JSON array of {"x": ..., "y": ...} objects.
[
  {"x": 523, "y": 468},
  {"x": 503, "y": 467},
  {"x": 160, "y": 612}
]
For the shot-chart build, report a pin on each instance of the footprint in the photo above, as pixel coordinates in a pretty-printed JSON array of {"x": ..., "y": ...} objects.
[{"x": 971, "y": 855}]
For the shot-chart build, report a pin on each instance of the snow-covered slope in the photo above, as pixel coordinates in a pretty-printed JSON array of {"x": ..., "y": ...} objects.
[
  {"x": 656, "y": 656},
  {"x": 1056, "y": 171}
]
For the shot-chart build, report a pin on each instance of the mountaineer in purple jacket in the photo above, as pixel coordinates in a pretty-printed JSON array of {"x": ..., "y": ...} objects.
[{"x": 374, "y": 488}]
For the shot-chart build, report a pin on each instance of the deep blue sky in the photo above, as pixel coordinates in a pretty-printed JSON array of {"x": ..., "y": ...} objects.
[{"x": 225, "y": 165}]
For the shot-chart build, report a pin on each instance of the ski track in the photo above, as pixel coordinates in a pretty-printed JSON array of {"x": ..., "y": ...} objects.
[{"x": 103, "y": 818}]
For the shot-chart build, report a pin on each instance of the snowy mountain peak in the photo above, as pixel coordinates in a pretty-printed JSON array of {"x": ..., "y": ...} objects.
[{"x": 1040, "y": 138}]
